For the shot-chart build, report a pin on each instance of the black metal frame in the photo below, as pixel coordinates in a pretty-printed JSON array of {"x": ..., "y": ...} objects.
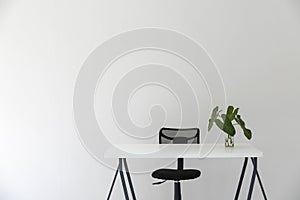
[
  {"x": 121, "y": 171},
  {"x": 177, "y": 194},
  {"x": 254, "y": 175}
]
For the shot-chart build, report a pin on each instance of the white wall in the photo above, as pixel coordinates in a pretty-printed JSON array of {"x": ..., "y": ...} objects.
[{"x": 43, "y": 44}]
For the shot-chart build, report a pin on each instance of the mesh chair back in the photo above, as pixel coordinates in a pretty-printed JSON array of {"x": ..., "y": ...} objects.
[{"x": 179, "y": 136}]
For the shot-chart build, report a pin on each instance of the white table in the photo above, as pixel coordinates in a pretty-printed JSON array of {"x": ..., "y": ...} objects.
[
  {"x": 202, "y": 151},
  {"x": 183, "y": 151}
]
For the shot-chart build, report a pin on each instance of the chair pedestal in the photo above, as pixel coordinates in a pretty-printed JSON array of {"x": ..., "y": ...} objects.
[{"x": 177, "y": 191}]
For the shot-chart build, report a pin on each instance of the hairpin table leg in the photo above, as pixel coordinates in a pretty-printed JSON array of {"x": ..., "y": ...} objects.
[
  {"x": 254, "y": 160},
  {"x": 123, "y": 180},
  {"x": 259, "y": 180},
  {"x": 129, "y": 179},
  {"x": 241, "y": 179},
  {"x": 113, "y": 183},
  {"x": 120, "y": 170}
]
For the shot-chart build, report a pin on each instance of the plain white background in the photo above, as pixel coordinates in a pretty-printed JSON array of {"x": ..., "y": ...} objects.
[{"x": 43, "y": 44}]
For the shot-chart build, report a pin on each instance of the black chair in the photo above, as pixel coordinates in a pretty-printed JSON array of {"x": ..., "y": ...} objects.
[{"x": 177, "y": 136}]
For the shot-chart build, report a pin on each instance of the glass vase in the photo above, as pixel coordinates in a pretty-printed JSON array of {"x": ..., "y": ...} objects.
[{"x": 229, "y": 141}]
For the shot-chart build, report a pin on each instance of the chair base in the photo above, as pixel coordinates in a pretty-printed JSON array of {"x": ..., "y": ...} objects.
[{"x": 177, "y": 191}]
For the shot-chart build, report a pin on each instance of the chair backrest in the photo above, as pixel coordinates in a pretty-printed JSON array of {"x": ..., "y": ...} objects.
[{"x": 179, "y": 136}]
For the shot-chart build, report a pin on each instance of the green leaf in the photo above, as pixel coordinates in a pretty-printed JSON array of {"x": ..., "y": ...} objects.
[
  {"x": 226, "y": 120},
  {"x": 223, "y": 116},
  {"x": 219, "y": 123},
  {"x": 247, "y": 132},
  {"x": 231, "y": 112},
  {"x": 210, "y": 124},
  {"x": 235, "y": 112},
  {"x": 213, "y": 117},
  {"x": 227, "y": 126}
]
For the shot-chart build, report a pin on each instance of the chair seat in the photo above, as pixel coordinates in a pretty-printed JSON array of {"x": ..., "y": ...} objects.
[{"x": 175, "y": 174}]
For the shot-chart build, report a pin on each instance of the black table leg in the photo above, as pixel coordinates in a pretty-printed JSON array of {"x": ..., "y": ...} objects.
[
  {"x": 260, "y": 182},
  {"x": 254, "y": 161},
  {"x": 123, "y": 179},
  {"x": 129, "y": 179},
  {"x": 121, "y": 171},
  {"x": 113, "y": 183},
  {"x": 254, "y": 175},
  {"x": 241, "y": 179}
]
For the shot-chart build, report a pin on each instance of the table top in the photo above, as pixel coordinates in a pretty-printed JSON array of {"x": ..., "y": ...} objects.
[{"x": 182, "y": 151}]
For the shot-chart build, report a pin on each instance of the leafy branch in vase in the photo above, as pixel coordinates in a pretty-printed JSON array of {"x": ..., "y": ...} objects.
[{"x": 224, "y": 121}]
